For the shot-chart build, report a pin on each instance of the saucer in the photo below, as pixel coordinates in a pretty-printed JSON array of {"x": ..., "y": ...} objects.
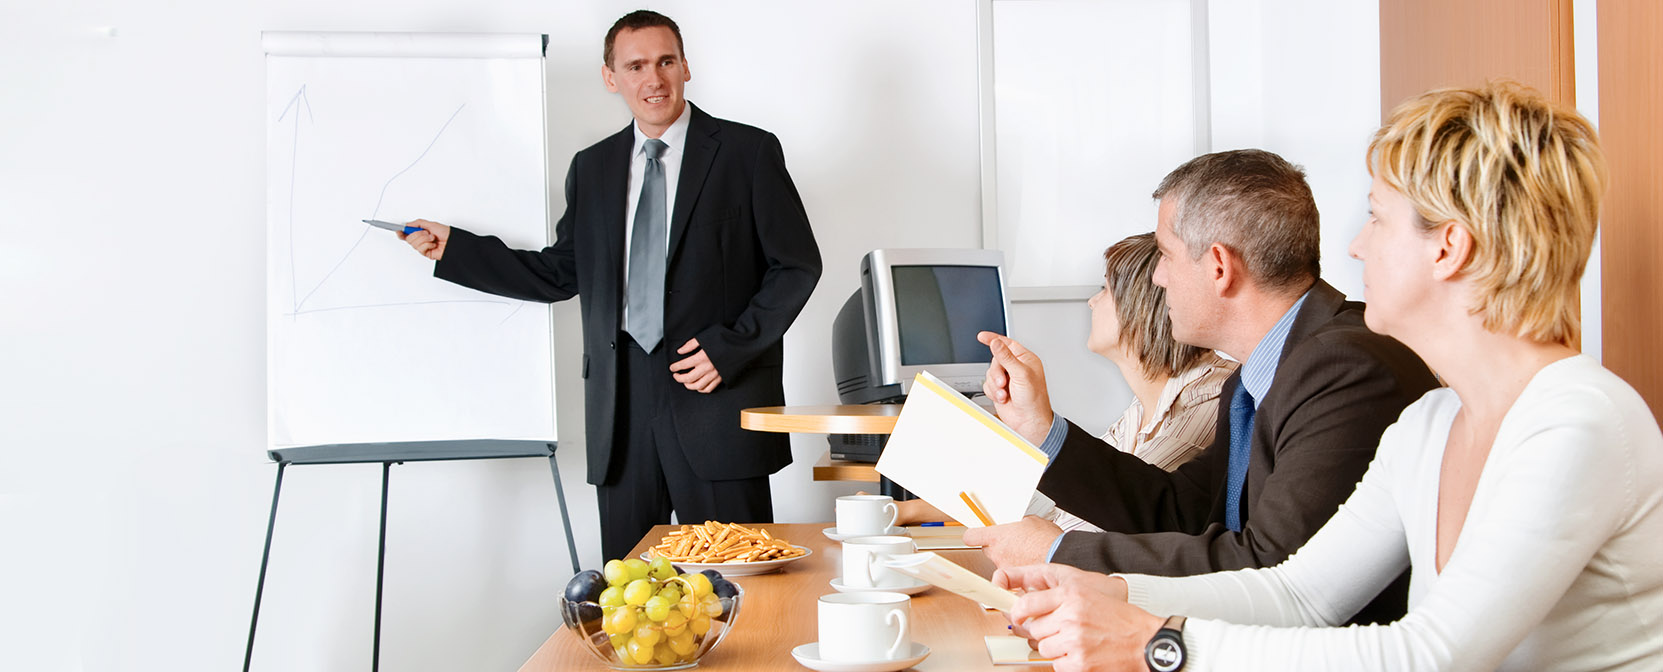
[
  {"x": 809, "y": 656},
  {"x": 834, "y": 535},
  {"x": 914, "y": 589}
]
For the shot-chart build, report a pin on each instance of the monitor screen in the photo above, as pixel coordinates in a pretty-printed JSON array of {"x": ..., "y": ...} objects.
[{"x": 940, "y": 309}]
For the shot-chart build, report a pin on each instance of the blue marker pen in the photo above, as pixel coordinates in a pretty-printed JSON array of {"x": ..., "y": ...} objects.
[{"x": 392, "y": 227}]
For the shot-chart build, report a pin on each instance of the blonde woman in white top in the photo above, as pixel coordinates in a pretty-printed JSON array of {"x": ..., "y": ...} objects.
[
  {"x": 1174, "y": 410},
  {"x": 1527, "y": 497}
]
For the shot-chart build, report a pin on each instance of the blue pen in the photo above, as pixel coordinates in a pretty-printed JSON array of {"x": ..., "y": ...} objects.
[{"x": 392, "y": 227}]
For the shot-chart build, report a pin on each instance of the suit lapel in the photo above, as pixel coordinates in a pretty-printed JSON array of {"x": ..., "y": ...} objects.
[
  {"x": 697, "y": 155},
  {"x": 614, "y": 185}
]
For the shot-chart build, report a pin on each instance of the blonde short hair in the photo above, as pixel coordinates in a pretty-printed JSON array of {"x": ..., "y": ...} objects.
[{"x": 1524, "y": 176}]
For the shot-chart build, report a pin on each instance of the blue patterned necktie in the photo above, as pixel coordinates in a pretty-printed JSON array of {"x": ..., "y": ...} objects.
[
  {"x": 1241, "y": 437},
  {"x": 645, "y": 321}
]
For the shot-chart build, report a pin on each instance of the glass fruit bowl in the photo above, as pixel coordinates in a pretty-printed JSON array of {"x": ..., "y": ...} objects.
[{"x": 636, "y": 641}]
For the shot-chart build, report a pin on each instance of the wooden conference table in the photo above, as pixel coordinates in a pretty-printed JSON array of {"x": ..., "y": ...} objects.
[{"x": 779, "y": 613}]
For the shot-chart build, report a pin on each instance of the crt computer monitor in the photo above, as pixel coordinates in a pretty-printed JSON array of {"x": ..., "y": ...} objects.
[{"x": 918, "y": 310}]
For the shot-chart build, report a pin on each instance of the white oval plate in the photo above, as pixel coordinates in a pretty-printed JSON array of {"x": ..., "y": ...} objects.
[{"x": 737, "y": 568}]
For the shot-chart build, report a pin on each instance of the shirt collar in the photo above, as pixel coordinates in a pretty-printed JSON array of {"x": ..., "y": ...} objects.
[
  {"x": 675, "y": 136},
  {"x": 1259, "y": 371}
]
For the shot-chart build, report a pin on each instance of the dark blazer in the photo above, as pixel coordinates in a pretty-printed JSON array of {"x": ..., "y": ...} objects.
[
  {"x": 1336, "y": 389},
  {"x": 742, "y": 262}
]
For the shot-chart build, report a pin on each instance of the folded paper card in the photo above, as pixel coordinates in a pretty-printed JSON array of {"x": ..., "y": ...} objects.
[
  {"x": 951, "y": 452},
  {"x": 949, "y": 576},
  {"x": 1012, "y": 650}
]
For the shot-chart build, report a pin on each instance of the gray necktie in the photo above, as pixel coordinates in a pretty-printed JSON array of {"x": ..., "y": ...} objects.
[{"x": 645, "y": 322}]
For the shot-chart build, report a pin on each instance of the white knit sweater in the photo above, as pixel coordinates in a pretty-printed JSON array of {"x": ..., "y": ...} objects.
[{"x": 1559, "y": 565}]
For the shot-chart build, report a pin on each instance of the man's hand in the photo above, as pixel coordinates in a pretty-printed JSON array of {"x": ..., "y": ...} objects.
[
  {"x": 1023, "y": 542},
  {"x": 696, "y": 372},
  {"x": 1016, "y": 384},
  {"x": 1080, "y": 619},
  {"x": 430, "y": 240}
]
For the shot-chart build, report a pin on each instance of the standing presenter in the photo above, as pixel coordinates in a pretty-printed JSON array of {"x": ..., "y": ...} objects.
[{"x": 690, "y": 253}]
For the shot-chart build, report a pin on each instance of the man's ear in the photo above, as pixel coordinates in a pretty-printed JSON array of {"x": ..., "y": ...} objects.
[
  {"x": 606, "y": 77},
  {"x": 1224, "y": 268},
  {"x": 1453, "y": 249}
]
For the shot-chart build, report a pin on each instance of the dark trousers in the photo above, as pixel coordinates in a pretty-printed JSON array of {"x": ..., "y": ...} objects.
[{"x": 650, "y": 476}]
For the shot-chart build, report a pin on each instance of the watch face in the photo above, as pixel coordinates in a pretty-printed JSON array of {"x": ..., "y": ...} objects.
[{"x": 1165, "y": 653}]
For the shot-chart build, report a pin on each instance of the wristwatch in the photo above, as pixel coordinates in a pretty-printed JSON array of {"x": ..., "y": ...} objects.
[{"x": 1165, "y": 651}]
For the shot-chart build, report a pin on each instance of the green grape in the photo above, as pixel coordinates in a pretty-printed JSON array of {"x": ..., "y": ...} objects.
[
  {"x": 700, "y": 584},
  {"x": 618, "y": 641},
  {"x": 637, "y": 592},
  {"x": 639, "y": 653},
  {"x": 661, "y": 569},
  {"x": 613, "y": 596},
  {"x": 712, "y": 606},
  {"x": 638, "y": 568},
  {"x": 670, "y": 593},
  {"x": 689, "y": 606},
  {"x": 675, "y": 624},
  {"x": 621, "y": 622},
  {"x": 699, "y": 625},
  {"x": 664, "y": 655},
  {"x": 683, "y": 644},
  {"x": 617, "y": 573},
  {"x": 658, "y": 608},
  {"x": 648, "y": 634}
]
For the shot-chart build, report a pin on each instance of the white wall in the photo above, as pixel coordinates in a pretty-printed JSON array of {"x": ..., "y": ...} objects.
[{"x": 133, "y": 486}]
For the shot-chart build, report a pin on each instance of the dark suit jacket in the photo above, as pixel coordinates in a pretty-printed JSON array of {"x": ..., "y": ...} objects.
[
  {"x": 742, "y": 262},
  {"x": 1336, "y": 389}
]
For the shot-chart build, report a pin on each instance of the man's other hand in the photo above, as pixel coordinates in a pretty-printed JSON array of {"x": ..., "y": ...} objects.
[
  {"x": 1023, "y": 542},
  {"x": 1016, "y": 384},
  {"x": 696, "y": 372}
]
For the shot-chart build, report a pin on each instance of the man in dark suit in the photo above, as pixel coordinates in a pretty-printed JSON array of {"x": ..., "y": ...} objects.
[
  {"x": 683, "y": 233},
  {"x": 1298, "y": 422}
]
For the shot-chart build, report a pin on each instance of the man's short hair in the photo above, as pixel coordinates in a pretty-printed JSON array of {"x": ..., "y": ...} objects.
[
  {"x": 637, "y": 20},
  {"x": 1255, "y": 203},
  {"x": 1524, "y": 176},
  {"x": 1140, "y": 306}
]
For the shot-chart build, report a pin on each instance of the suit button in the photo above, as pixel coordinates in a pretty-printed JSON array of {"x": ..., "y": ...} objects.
[{"x": 612, "y": 345}]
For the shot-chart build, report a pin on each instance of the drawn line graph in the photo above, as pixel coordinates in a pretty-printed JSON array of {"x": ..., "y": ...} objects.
[{"x": 300, "y": 99}]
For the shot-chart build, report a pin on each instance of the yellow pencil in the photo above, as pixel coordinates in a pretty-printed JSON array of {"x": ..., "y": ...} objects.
[{"x": 975, "y": 508}]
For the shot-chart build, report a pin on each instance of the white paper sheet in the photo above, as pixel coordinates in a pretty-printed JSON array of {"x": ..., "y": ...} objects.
[{"x": 364, "y": 344}]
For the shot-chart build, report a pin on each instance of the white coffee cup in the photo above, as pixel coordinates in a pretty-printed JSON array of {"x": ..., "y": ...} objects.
[
  {"x": 865, "y": 514},
  {"x": 863, "y": 561},
  {"x": 865, "y": 627}
]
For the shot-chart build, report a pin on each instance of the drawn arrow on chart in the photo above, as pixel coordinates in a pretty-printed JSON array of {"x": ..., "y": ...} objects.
[{"x": 300, "y": 98}]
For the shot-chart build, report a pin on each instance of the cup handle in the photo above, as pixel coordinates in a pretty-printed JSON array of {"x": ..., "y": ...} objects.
[
  {"x": 871, "y": 559},
  {"x": 894, "y": 513},
  {"x": 900, "y": 636}
]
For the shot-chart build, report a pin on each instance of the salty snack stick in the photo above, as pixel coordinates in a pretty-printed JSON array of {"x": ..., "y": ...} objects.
[{"x": 715, "y": 542}]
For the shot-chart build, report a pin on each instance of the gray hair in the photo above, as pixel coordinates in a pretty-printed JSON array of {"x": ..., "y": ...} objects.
[{"x": 1253, "y": 202}]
